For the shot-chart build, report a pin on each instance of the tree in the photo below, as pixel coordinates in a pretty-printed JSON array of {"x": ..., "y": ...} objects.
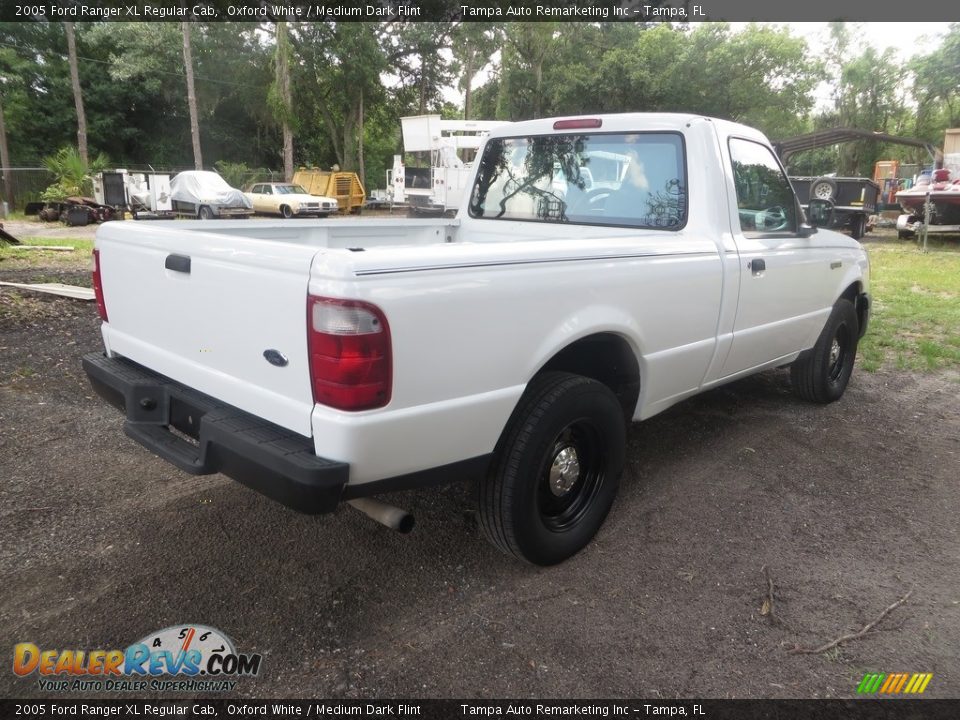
[
  {"x": 760, "y": 76},
  {"x": 8, "y": 82},
  {"x": 868, "y": 94},
  {"x": 416, "y": 56},
  {"x": 191, "y": 97},
  {"x": 338, "y": 76},
  {"x": 527, "y": 50},
  {"x": 936, "y": 87},
  {"x": 77, "y": 92},
  {"x": 281, "y": 98},
  {"x": 5, "y": 160},
  {"x": 472, "y": 45},
  {"x": 144, "y": 109}
]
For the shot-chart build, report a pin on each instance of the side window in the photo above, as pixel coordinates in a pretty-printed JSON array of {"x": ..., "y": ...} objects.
[
  {"x": 267, "y": 190},
  {"x": 765, "y": 198},
  {"x": 256, "y": 189}
]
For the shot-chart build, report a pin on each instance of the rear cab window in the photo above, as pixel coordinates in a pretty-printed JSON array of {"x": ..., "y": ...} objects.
[{"x": 620, "y": 179}]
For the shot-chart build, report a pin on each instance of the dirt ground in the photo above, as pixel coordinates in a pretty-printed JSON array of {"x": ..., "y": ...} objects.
[
  {"x": 32, "y": 227},
  {"x": 849, "y": 507}
]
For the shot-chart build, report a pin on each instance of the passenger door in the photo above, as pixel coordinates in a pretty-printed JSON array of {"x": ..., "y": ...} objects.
[
  {"x": 784, "y": 277},
  {"x": 260, "y": 198}
]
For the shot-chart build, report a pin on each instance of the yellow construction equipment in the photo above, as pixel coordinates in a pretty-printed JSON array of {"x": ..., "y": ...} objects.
[{"x": 344, "y": 186}]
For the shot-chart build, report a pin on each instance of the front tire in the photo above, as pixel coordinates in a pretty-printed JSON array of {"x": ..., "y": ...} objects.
[
  {"x": 821, "y": 375},
  {"x": 286, "y": 212},
  {"x": 205, "y": 213},
  {"x": 556, "y": 470}
]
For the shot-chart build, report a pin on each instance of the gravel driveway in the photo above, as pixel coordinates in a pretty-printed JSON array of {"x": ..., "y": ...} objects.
[{"x": 846, "y": 509}]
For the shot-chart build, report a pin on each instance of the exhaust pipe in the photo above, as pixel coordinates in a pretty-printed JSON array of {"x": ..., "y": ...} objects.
[{"x": 393, "y": 517}]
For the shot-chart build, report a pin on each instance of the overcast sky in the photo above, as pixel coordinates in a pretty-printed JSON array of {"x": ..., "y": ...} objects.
[{"x": 906, "y": 38}]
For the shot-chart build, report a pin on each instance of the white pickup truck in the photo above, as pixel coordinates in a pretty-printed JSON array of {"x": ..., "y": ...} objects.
[{"x": 603, "y": 269}]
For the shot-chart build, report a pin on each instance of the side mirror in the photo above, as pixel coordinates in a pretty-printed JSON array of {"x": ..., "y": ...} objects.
[{"x": 820, "y": 212}]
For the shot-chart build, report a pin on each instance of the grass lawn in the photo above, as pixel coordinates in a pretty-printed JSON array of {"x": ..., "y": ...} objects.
[
  {"x": 13, "y": 257},
  {"x": 84, "y": 244},
  {"x": 915, "y": 323}
]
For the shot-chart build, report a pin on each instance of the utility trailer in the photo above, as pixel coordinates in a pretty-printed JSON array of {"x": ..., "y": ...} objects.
[
  {"x": 439, "y": 187},
  {"x": 854, "y": 200}
]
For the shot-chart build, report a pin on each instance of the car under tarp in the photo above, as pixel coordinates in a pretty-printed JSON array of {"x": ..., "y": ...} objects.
[{"x": 203, "y": 187}]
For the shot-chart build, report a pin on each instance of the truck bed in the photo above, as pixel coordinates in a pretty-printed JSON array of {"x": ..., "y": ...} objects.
[{"x": 307, "y": 232}]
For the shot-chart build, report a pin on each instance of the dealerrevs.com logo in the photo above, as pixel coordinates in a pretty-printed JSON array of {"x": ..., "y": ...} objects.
[
  {"x": 181, "y": 658},
  {"x": 894, "y": 683}
]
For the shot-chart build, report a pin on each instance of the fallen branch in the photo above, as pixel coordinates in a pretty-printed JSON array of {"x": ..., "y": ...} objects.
[
  {"x": 767, "y": 608},
  {"x": 797, "y": 650}
]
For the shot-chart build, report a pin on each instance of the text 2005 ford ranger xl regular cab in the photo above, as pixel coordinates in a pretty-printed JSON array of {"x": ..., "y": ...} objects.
[{"x": 603, "y": 269}]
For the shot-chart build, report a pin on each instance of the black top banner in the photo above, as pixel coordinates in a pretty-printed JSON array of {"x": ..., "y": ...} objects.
[
  {"x": 492, "y": 709},
  {"x": 690, "y": 11}
]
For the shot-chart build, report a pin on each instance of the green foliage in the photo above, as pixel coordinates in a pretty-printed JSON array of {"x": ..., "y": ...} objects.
[
  {"x": 936, "y": 87},
  {"x": 73, "y": 175},
  {"x": 237, "y": 174},
  {"x": 351, "y": 82},
  {"x": 760, "y": 75}
]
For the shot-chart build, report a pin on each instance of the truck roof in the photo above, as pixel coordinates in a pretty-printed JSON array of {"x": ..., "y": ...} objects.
[{"x": 625, "y": 122}]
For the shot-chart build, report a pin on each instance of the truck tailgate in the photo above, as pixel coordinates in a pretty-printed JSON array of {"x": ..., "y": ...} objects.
[{"x": 208, "y": 310}]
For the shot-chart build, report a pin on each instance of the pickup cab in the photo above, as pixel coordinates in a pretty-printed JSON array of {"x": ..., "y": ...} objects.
[{"x": 603, "y": 269}]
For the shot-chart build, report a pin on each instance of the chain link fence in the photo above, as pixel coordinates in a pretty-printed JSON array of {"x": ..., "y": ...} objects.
[{"x": 26, "y": 185}]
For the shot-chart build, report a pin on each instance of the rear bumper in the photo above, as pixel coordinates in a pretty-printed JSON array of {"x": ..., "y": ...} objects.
[
  {"x": 232, "y": 212},
  {"x": 212, "y": 436}
]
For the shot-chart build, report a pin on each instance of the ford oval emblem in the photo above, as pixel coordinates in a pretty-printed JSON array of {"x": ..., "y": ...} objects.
[{"x": 275, "y": 357}]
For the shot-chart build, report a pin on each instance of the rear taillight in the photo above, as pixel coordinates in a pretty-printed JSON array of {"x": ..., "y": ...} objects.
[
  {"x": 98, "y": 287},
  {"x": 350, "y": 362}
]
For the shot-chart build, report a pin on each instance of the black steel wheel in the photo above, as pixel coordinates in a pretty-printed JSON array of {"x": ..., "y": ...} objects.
[
  {"x": 822, "y": 373},
  {"x": 556, "y": 469}
]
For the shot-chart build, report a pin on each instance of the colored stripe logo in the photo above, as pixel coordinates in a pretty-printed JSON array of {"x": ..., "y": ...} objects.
[{"x": 894, "y": 683}]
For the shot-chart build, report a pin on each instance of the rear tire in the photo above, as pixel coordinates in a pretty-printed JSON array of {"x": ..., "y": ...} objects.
[
  {"x": 205, "y": 213},
  {"x": 556, "y": 470},
  {"x": 821, "y": 374},
  {"x": 859, "y": 227}
]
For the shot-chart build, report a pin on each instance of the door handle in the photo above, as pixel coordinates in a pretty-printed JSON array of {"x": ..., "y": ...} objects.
[
  {"x": 178, "y": 263},
  {"x": 757, "y": 265}
]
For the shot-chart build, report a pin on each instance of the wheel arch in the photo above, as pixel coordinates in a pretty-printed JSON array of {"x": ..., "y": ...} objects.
[
  {"x": 607, "y": 357},
  {"x": 861, "y": 303}
]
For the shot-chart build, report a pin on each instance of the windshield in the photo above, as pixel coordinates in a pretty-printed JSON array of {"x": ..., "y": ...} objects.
[
  {"x": 635, "y": 179},
  {"x": 289, "y": 190}
]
